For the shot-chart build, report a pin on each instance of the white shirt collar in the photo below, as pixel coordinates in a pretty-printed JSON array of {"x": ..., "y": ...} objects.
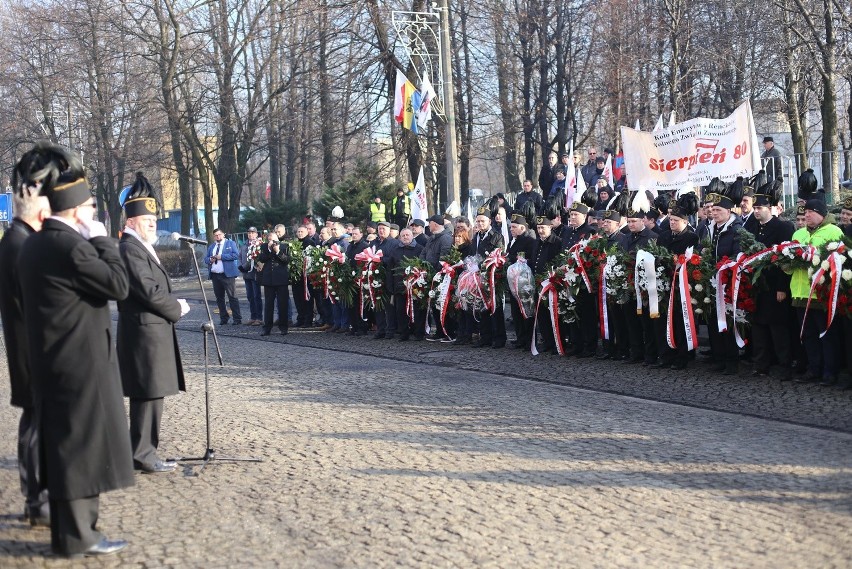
[
  {"x": 145, "y": 244},
  {"x": 67, "y": 222}
]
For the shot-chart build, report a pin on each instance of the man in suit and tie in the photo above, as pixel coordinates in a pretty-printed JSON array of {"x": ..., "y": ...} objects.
[
  {"x": 148, "y": 355},
  {"x": 221, "y": 258}
]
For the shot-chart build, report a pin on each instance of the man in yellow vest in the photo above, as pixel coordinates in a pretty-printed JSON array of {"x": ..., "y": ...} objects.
[
  {"x": 401, "y": 208},
  {"x": 377, "y": 210}
]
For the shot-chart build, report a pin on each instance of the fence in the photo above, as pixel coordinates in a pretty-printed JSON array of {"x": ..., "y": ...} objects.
[{"x": 821, "y": 162}]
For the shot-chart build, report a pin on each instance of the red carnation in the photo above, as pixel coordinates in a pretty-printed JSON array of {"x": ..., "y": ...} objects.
[
  {"x": 696, "y": 275},
  {"x": 695, "y": 260}
]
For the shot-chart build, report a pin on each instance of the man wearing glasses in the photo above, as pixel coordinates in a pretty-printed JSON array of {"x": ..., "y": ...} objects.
[{"x": 589, "y": 169}]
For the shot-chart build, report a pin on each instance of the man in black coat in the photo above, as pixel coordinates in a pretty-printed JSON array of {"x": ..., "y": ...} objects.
[
  {"x": 304, "y": 307},
  {"x": 747, "y": 217},
  {"x": 357, "y": 243},
  {"x": 418, "y": 229},
  {"x": 584, "y": 331},
  {"x": 148, "y": 354},
  {"x": 547, "y": 175},
  {"x": 275, "y": 277},
  {"x": 439, "y": 243},
  {"x": 618, "y": 345},
  {"x": 521, "y": 244},
  {"x": 771, "y": 324},
  {"x": 31, "y": 209},
  {"x": 84, "y": 440},
  {"x": 408, "y": 249},
  {"x": 528, "y": 195},
  {"x": 386, "y": 315},
  {"x": 549, "y": 247},
  {"x": 640, "y": 331},
  {"x": 492, "y": 330},
  {"x": 678, "y": 239},
  {"x": 724, "y": 242}
]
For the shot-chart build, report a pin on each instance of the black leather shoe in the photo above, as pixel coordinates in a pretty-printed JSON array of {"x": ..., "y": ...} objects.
[
  {"x": 678, "y": 366},
  {"x": 157, "y": 467},
  {"x": 266, "y": 333},
  {"x": 105, "y": 547},
  {"x": 378, "y": 336},
  {"x": 604, "y": 357},
  {"x": 284, "y": 332},
  {"x": 498, "y": 345}
]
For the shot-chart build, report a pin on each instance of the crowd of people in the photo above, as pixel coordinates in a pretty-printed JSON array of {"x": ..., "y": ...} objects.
[{"x": 779, "y": 331}]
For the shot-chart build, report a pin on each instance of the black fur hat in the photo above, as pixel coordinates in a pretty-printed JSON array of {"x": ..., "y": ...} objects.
[
  {"x": 493, "y": 205},
  {"x": 589, "y": 197},
  {"x": 662, "y": 202},
  {"x": 40, "y": 168},
  {"x": 756, "y": 182},
  {"x": 619, "y": 203},
  {"x": 716, "y": 186},
  {"x": 529, "y": 213},
  {"x": 685, "y": 206},
  {"x": 553, "y": 207},
  {"x": 807, "y": 184},
  {"x": 769, "y": 194}
]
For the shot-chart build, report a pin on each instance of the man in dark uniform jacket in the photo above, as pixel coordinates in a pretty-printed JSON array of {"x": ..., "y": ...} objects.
[
  {"x": 724, "y": 242},
  {"x": 492, "y": 330},
  {"x": 148, "y": 354},
  {"x": 747, "y": 217},
  {"x": 408, "y": 249},
  {"x": 304, "y": 308},
  {"x": 640, "y": 329},
  {"x": 521, "y": 243},
  {"x": 618, "y": 345},
  {"x": 84, "y": 440},
  {"x": 275, "y": 278},
  {"x": 677, "y": 239},
  {"x": 418, "y": 229},
  {"x": 584, "y": 332},
  {"x": 771, "y": 324},
  {"x": 31, "y": 209},
  {"x": 357, "y": 244},
  {"x": 549, "y": 247}
]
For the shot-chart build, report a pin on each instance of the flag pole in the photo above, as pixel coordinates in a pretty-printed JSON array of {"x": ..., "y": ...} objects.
[{"x": 450, "y": 144}]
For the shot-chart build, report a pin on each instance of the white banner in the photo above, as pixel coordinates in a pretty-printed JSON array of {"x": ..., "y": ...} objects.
[
  {"x": 418, "y": 199},
  {"x": 694, "y": 152}
]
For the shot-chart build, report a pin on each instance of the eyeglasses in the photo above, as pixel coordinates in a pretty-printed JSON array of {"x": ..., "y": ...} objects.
[{"x": 593, "y": 153}]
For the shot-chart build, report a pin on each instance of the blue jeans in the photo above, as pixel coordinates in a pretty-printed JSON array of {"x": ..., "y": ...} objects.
[
  {"x": 340, "y": 316},
  {"x": 255, "y": 298}
]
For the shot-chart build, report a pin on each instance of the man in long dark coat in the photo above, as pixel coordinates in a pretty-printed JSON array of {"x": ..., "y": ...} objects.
[
  {"x": 31, "y": 209},
  {"x": 148, "y": 354},
  {"x": 72, "y": 271}
]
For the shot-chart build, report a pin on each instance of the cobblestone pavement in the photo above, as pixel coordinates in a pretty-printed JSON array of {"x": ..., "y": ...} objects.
[{"x": 367, "y": 466}]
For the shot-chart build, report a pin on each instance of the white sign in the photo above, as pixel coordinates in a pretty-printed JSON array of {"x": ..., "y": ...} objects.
[{"x": 692, "y": 152}]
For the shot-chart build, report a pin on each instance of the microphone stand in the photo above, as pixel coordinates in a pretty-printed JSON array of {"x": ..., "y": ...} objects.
[{"x": 207, "y": 328}]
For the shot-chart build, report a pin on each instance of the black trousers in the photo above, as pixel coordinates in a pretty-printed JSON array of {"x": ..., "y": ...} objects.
[
  {"x": 223, "y": 285},
  {"x": 386, "y": 317},
  {"x": 304, "y": 308},
  {"x": 404, "y": 325},
  {"x": 28, "y": 464},
  {"x": 771, "y": 339},
  {"x": 584, "y": 332},
  {"x": 523, "y": 326},
  {"x": 618, "y": 345},
  {"x": 723, "y": 344},
  {"x": 680, "y": 354},
  {"x": 635, "y": 337},
  {"x": 145, "y": 418},
  {"x": 492, "y": 327},
  {"x": 280, "y": 297},
  {"x": 72, "y": 525},
  {"x": 823, "y": 353}
]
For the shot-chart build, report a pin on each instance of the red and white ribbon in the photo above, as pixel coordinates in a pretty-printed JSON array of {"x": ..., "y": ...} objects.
[
  {"x": 514, "y": 287},
  {"x": 492, "y": 262},
  {"x": 369, "y": 257},
  {"x": 305, "y": 262},
  {"x": 409, "y": 282},
  {"x": 721, "y": 321},
  {"x": 835, "y": 265},
  {"x": 680, "y": 279},
  {"x": 603, "y": 309},
  {"x": 575, "y": 254},
  {"x": 550, "y": 290},
  {"x": 647, "y": 261},
  {"x": 445, "y": 289}
]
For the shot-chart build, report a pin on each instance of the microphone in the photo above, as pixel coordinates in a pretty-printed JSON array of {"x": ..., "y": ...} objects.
[{"x": 178, "y": 237}]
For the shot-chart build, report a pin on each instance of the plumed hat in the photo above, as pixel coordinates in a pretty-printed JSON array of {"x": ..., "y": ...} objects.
[
  {"x": 639, "y": 205},
  {"x": 140, "y": 200},
  {"x": 45, "y": 166},
  {"x": 716, "y": 186},
  {"x": 807, "y": 184},
  {"x": 620, "y": 203},
  {"x": 685, "y": 206},
  {"x": 769, "y": 194},
  {"x": 553, "y": 207},
  {"x": 589, "y": 197},
  {"x": 662, "y": 203}
]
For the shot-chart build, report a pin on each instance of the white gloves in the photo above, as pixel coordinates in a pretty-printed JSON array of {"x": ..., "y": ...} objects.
[{"x": 184, "y": 306}]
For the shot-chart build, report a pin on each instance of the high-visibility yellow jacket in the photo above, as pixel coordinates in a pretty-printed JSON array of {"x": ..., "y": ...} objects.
[{"x": 377, "y": 212}]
